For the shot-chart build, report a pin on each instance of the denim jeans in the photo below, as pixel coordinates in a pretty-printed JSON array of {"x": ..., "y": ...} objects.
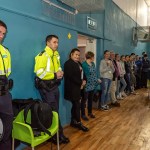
[
  {"x": 121, "y": 88},
  {"x": 124, "y": 84},
  {"x": 105, "y": 91}
]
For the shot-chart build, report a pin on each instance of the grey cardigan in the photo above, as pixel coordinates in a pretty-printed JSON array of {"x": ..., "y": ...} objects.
[{"x": 105, "y": 70}]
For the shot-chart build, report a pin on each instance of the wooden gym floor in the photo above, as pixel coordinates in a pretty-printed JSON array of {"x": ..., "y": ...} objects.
[{"x": 124, "y": 128}]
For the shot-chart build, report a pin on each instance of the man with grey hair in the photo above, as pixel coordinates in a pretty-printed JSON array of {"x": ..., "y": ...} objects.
[{"x": 113, "y": 87}]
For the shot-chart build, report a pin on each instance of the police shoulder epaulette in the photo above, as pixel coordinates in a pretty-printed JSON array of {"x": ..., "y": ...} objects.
[
  {"x": 41, "y": 53},
  {"x": 5, "y": 47}
]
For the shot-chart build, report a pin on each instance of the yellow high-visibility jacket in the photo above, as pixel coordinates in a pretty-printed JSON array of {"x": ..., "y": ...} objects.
[
  {"x": 5, "y": 62},
  {"x": 47, "y": 63}
]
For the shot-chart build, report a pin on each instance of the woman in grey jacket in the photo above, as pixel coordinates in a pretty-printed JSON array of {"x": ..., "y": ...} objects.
[{"x": 106, "y": 72}]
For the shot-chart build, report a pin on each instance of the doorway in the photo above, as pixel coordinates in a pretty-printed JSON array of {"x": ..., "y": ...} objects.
[{"x": 85, "y": 44}]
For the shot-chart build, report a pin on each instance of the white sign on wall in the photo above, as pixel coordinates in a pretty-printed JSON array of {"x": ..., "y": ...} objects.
[{"x": 91, "y": 23}]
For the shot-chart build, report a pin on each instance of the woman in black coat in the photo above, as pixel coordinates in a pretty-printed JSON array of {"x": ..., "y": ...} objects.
[{"x": 73, "y": 83}]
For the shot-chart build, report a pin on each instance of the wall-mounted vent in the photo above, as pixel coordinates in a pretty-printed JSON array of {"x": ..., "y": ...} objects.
[
  {"x": 141, "y": 34},
  {"x": 54, "y": 10},
  {"x": 85, "y": 6}
]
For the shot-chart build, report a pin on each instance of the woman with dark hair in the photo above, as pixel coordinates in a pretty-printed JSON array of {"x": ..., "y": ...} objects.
[{"x": 73, "y": 83}]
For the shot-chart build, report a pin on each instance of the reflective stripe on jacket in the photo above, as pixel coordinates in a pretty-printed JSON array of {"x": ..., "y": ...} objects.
[
  {"x": 47, "y": 63},
  {"x": 7, "y": 61}
]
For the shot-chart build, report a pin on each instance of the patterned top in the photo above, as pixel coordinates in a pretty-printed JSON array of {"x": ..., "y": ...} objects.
[{"x": 90, "y": 73}]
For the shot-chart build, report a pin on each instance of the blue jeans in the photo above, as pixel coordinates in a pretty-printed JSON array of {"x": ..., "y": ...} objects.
[
  {"x": 124, "y": 84},
  {"x": 105, "y": 91},
  {"x": 121, "y": 88}
]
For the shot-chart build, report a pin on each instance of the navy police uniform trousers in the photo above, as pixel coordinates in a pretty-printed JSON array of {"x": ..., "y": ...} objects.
[
  {"x": 52, "y": 98},
  {"x": 6, "y": 114}
]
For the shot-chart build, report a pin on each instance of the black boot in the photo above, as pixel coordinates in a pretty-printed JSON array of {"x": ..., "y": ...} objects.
[{"x": 64, "y": 139}]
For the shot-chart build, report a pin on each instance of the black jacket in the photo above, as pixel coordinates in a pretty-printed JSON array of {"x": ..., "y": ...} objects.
[
  {"x": 72, "y": 80},
  {"x": 145, "y": 65}
]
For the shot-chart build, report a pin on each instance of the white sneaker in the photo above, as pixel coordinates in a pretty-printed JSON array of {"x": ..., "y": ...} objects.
[
  {"x": 119, "y": 98},
  {"x": 120, "y": 95},
  {"x": 135, "y": 93},
  {"x": 123, "y": 94}
]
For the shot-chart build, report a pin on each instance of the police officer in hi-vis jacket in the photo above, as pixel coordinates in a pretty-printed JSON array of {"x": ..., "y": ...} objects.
[
  {"x": 6, "y": 112},
  {"x": 48, "y": 76}
]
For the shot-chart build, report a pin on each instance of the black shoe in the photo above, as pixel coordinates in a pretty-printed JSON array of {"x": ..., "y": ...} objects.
[
  {"x": 85, "y": 118},
  {"x": 82, "y": 127},
  {"x": 74, "y": 124},
  {"x": 64, "y": 139},
  {"x": 54, "y": 140},
  {"x": 91, "y": 115}
]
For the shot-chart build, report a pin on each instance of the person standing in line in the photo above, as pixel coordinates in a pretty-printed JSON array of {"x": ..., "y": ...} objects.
[
  {"x": 121, "y": 81},
  {"x": 6, "y": 112},
  {"x": 92, "y": 80},
  {"x": 127, "y": 75},
  {"x": 48, "y": 76},
  {"x": 73, "y": 84},
  {"x": 145, "y": 70},
  {"x": 132, "y": 74},
  {"x": 138, "y": 63},
  {"x": 116, "y": 77},
  {"x": 106, "y": 72},
  {"x": 143, "y": 53}
]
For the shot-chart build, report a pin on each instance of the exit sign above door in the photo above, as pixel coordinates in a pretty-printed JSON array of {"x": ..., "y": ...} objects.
[{"x": 91, "y": 23}]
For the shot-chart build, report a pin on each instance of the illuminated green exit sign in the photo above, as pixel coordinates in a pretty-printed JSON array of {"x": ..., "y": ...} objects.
[{"x": 91, "y": 23}]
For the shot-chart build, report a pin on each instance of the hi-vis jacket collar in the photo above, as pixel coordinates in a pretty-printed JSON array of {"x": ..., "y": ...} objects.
[
  {"x": 3, "y": 48},
  {"x": 50, "y": 52}
]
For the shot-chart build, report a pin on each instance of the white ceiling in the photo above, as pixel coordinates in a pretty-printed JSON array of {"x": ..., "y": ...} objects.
[{"x": 148, "y": 2}]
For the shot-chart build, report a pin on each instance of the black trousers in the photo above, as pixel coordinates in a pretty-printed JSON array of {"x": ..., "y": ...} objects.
[
  {"x": 6, "y": 143},
  {"x": 138, "y": 81},
  {"x": 52, "y": 98},
  {"x": 87, "y": 96},
  {"x": 144, "y": 77},
  {"x": 6, "y": 114},
  {"x": 128, "y": 81},
  {"x": 75, "y": 111}
]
